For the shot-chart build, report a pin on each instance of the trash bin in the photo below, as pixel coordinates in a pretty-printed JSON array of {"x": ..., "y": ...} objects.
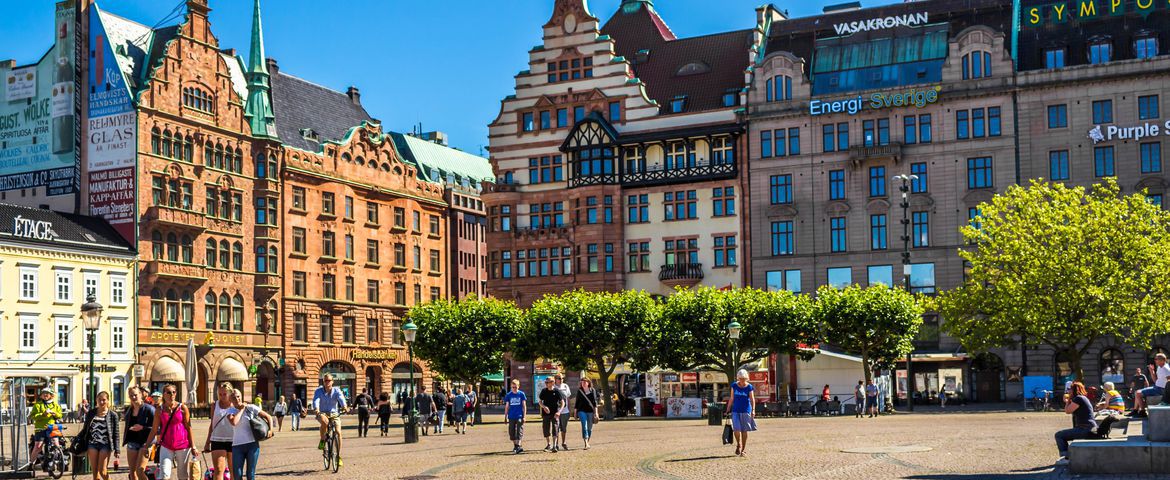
[
  {"x": 715, "y": 414},
  {"x": 80, "y": 464},
  {"x": 410, "y": 429}
]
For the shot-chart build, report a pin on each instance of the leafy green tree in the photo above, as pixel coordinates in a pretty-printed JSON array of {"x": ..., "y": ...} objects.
[
  {"x": 879, "y": 322},
  {"x": 1064, "y": 266},
  {"x": 465, "y": 340},
  {"x": 695, "y": 336},
  {"x": 592, "y": 331}
]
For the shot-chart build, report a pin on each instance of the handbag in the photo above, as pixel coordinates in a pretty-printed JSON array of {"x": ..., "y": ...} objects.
[
  {"x": 259, "y": 427},
  {"x": 80, "y": 443},
  {"x": 728, "y": 437},
  {"x": 589, "y": 398}
]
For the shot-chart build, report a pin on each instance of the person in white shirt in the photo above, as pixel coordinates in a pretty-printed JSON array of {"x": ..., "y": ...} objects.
[
  {"x": 1159, "y": 373},
  {"x": 563, "y": 387}
]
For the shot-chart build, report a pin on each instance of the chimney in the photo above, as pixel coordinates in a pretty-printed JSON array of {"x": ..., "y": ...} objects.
[
  {"x": 8, "y": 63},
  {"x": 231, "y": 52},
  {"x": 354, "y": 95},
  {"x": 273, "y": 68}
]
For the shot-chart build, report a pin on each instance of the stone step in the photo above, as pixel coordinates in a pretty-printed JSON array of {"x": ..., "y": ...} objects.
[
  {"x": 1157, "y": 426},
  {"x": 1131, "y": 455}
]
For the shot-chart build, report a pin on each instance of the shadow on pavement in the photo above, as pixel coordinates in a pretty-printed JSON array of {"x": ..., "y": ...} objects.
[
  {"x": 695, "y": 459},
  {"x": 292, "y": 473},
  {"x": 1033, "y": 473}
]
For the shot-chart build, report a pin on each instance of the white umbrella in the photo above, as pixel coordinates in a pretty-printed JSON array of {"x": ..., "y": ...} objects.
[{"x": 191, "y": 380}]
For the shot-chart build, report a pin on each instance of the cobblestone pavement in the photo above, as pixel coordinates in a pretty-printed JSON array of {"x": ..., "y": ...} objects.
[{"x": 962, "y": 446}]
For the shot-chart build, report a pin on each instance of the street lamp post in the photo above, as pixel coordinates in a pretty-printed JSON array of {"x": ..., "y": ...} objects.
[
  {"x": 905, "y": 189},
  {"x": 408, "y": 332},
  {"x": 91, "y": 316}
]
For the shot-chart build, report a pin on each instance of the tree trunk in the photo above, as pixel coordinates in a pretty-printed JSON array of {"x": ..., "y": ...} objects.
[
  {"x": 606, "y": 394},
  {"x": 1074, "y": 364},
  {"x": 865, "y": 367}
]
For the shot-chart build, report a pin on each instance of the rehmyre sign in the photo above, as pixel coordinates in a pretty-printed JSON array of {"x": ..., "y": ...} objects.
[{"x": 906, "y": 98}]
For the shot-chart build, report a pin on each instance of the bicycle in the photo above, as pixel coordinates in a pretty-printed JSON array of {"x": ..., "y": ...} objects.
[
  {"x": 332, "y": 452},
  {"x": 53, "y": 460},
  {"x": 1042, "y": 400}
]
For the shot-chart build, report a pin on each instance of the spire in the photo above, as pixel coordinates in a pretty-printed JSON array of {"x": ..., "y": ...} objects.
[{"x": 259, "y": 107}]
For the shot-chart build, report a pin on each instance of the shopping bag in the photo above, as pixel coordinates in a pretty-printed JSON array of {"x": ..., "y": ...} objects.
[
  {"x": 194, "y": 469},
  {"x": 728, "y": 438}
]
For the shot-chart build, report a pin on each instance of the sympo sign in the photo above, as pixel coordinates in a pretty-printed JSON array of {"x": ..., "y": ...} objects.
[{"x": 1081, "y": 10}]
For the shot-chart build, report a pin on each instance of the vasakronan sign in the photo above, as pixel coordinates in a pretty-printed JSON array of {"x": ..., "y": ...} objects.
[
  {"x": 1136, "y": 133},
  {"x": 908, "y": 20},
  {"x": 905, "y": 98},
  {"x": 1085, "y": 10}
]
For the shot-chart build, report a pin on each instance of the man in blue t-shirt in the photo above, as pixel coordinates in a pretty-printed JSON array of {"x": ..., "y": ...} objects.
[
  {"x": 515, "y": 408},
  {"x": 328, "y": 400}
]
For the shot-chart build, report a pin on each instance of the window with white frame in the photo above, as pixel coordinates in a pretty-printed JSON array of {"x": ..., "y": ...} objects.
[
  {"x": 28, "y": 283},
  {"x": 28, "y": 333},
  {"x": 63, "y": 286},
  {"x": 118, "y": 290},
  {"x": 63, "y": 329},
  {"x": 117, "y": 335},
  {"x": 91, "y": 283}
]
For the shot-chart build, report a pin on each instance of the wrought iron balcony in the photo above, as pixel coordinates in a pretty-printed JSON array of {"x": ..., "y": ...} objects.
[
  {"x": 681, "y": 274},
  {"x": 700, "y": 172},
  {"x": 858, "y": 154}
]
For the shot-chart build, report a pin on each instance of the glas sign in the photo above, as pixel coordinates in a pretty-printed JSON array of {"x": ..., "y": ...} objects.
[
  {"x": 1107, "y": 133},
  {"x": 908, "y": 20},
  {"x": 1061, "y": 12},
  {"x": 35, "y": 229},
  {"x": 911, "y": 97}
]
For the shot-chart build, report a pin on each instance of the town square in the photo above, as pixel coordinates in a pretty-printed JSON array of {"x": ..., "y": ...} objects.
[{"x": 411, "y": 240}]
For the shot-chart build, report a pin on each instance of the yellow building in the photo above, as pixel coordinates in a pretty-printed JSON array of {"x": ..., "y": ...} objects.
[{"x": 49, "y": 264}]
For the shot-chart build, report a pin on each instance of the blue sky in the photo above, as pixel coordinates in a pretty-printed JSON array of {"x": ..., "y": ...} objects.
[{"x": 444, "y": 64}]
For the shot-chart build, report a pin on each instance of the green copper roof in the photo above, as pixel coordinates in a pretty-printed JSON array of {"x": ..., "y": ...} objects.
[
  {"x": 259, "y": 107},
  {"x": 632, "y": 6},
  {"x": 436, "y": 162}
]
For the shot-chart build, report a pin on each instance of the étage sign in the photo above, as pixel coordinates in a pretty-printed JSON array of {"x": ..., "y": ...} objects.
[
  {"x": 911, "y": 97},
  {"x": 34, "y": 229},
  {"x": 1080, "y": 10},
  {"x": 908, "y": 20},
  {"x": 1109, "y": 133}
]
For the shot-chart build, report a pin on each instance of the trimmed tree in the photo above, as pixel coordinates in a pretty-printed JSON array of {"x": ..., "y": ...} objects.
[
  {"x": 592, "y": 331},
  {"x": 465, "y": 340},
  {"x": 695, "y": 336},
  {"x": 878, "y": 323},
  {"x": 1063, "y": 266}
]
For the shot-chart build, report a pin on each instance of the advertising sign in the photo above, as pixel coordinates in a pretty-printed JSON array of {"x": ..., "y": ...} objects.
[
  {"x": 112, "y": 149},
  {"x": 677, "y": 407},
  {"x": 37, "y": 117},
  {"x": 902, "y": 98},
  {"x": 1086, "y": 10},
  {"x": 907, "y": 20},
  {"x": 690, "y": 377},
  {"x": 1136, "y": 133}
]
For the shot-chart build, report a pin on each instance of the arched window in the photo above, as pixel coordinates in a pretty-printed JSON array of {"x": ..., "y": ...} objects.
[
  {"x": 261, "y": 170},
  {"x": 261, "y": 259},
  {"x": 238, "y": 161},
  {"x": 187, "y": 309},
  {"x": 185, "y": 248},
  {"x": 1112, "y": 363},
  {"x": 219, "y": 156},
  {"x": 210, "y": 252},
  {"x": 976, "y": 64},
  {"x": 166, "y": 143},
  {"x": 172, "y": 247},
  {"x": 156, "y": 308},
  {"x": 198, "y": 99},
  {"x": 156, "y": 245},
  {"x": 155, "y": 141},
  {"x": 1063, "y": 365},
  {"x": 237, "y": 256},
  {"x": 188, "y": 149},
  {"x": 238, "y": 313},
  {"x": 225, "y": 312},
  {"x": 225, "y": 252},
  {"x": 209, "y": 310},
  {"x": 208, "y": 154},
  {"x": 172, "y": 309}
]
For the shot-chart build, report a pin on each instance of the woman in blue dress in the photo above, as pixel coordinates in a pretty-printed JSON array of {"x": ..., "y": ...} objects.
[{"x": 742, "y": 411}]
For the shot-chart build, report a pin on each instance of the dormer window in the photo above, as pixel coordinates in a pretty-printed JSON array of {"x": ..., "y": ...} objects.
[
  {"x": 1054, "y": 57},
  {"x": 309, "y": 134},
  {"x": 778, "y": 88},
  {"x": 730, "y": 98},
  {"x": 677, "y": 104},
  {"x": 1145, "y": 47},
  {"x": 693, "y": 68},
  {"x": 1100, "y": 51},
  {"x": 572, "y": 69},
  {"x": 976, "y": 64}
]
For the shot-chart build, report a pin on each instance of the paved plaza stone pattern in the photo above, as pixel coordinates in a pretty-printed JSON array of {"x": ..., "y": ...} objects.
[{"x": 974, "y": 446}]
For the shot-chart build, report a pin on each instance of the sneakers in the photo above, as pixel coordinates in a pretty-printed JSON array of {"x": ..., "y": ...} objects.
[
  {"x": 1141, "y": 414},
  {"x": 554, "y": 449},
  {"x": 321, "y": 445},
  {"x": 338, "y": 462},
  {"x": 1062, "y": 462},
  {"x": 548, "y": 448},
  {"x": 564, "y": 446}
]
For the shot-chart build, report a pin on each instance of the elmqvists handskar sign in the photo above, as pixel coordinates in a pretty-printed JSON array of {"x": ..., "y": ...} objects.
[
  {"x": 1085, "y": 10},
  {"x": 903, "y": 98}
]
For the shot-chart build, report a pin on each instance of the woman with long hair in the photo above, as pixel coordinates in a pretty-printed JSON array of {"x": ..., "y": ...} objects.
[
  {"x": 245, "y": 446},
  {"x": 101, "y": 430},
  {"x": 139, "y": 418},
  {"x": 585, "y": 408},
  {"x": 1081, "y": 409},
  {"x": 172, "y": 433},
  {"x": 220, "y": 432},
  {"x": 384, "y": 411}
]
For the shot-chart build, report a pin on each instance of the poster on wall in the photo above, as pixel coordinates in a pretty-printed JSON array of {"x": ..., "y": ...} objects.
[
  {"x": 112, "y": 149},
  {"x": 21, "y": 83},
  {"x": 677, "y": 407}
]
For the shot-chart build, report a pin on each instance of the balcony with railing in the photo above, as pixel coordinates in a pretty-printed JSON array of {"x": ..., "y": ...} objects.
[
  {"x": 858, "y": 154},
  {"x": 686, "y": 274},
  {"x": 175, "y": 217},
  {"x": 268, "y": 281},
  {"x": 176, "y": 271},
  {"x": 657, "y": 175}
]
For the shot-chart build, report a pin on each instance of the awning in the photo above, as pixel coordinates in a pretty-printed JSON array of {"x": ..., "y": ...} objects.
[
  {"x": 842, "y": 356},
  {"x": 231, "y": 370},
  {"x": 494, "y": 377},
  {"x": 939, "y": 357},
  {"x": 167, "y": 369}
]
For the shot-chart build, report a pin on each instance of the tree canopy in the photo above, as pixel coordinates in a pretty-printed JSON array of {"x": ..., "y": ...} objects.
[
  {"x": 465, "y": 340},
  {"x": 1063, "y": 266},
  {"x": 879, "y": 322}
]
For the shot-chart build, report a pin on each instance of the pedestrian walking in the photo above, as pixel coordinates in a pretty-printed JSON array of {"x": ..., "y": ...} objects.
[
  {"x": 220, "y": 432},
  {"x": 383, "y": 408},
  {"x": 551, "y": 403},
  {"x": 101, "y": 434},
  {"x": 742, "y": 411},
  {"x": 564, "y": 418},
  {"x": 245, "y": 445},
  {"x": 172, "y": 435},
  {"x": 473, "y": 402},
  {"x": 859, "y": 399},
  {"x": 82, "y": 409},
  {"x": 364, "y": 403},
  {"x": 871, "y": 398},
  {"x": 296, "y": 409},
  {"x": 139, "y": 418},
  {"x": 586, "y": 408},
  {"x": 278, "y": 411},
  {"x": 401, "y": 399},
  {"x": 425, "y": 404},
  {"x": 440, "y": 400},
  {"x": 515, "y": 409},
  {"x": 459, "y": 412}
]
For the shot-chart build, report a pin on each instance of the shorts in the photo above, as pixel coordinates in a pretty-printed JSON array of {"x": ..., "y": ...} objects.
[
  {"x": 278, "y": 415},
  {"x": 516, "y": 429},
  {"x": 101, "y": 447},
  {"x": 221, "y": 446},
  {"x": 325, "y": 416},
  {"x": 870, "y": 402},
  {"x": 41, "y": 435},
  {"x": 1154, "y": 391},
  {"x": 459, "y": 417},
  {"x": 564, "y": 422},
  {"x": 549, "y": 424},
  {"x": 133, "y": 446}
]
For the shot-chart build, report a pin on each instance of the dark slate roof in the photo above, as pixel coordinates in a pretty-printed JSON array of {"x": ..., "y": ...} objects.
[
  {"x": 299, "y": 104},
  {"x": 72, "y": 231},
  {"x": 1074, "y": 35},
  {"x": 725, "y": 55},
  {"x": 798, "y": 35}
]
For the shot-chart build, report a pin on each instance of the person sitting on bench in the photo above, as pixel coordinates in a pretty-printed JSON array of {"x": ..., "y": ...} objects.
[
  {"x": 1159, "y": 372},
  {"x": 1084, "y": 425}
]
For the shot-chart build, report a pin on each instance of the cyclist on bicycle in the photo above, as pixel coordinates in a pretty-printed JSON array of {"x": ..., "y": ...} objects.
[
  {"x": 45, "y": 413},
  {"x": 328, "y": 401}
]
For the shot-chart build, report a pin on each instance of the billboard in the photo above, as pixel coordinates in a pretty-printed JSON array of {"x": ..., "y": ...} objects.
[
  {"x": 112, "y": 135},
  {"x": 38, "y": 115}
]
